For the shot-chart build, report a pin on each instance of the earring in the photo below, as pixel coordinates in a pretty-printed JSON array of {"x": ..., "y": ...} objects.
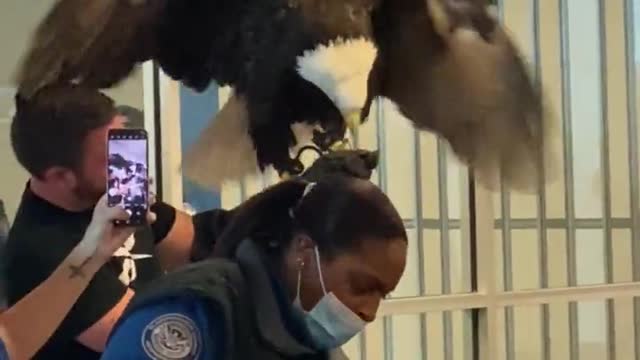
[{"x": 300, "y": 267}]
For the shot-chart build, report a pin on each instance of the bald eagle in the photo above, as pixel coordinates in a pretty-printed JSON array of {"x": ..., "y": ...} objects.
[{"x": 303, "y": 71}]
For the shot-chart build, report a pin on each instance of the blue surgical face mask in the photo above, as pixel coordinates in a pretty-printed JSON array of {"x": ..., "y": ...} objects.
[{"x": 330, "y": 323}]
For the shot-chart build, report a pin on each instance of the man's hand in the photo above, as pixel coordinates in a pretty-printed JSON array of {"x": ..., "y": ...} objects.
[{"x": 102, "y": 238}]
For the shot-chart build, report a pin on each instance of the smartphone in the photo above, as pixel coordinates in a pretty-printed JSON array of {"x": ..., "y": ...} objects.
[{"x": 128, "y": 173}]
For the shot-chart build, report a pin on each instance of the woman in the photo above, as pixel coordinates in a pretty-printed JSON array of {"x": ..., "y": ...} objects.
[
  {"x": 26, "y": 326},
  {"x": 309, "y": 265}
]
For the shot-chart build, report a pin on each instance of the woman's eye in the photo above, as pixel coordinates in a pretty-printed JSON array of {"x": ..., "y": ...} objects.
[{"x": 362, "y": 289}]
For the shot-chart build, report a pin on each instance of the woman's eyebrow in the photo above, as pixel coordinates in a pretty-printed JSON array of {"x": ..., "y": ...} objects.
[{"x": 362, "y": 276}]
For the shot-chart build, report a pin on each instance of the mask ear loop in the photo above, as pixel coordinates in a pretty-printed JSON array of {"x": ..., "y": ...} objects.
[
  {"x": 324, "y": 289},
  {"x": 300, "y": 266}
]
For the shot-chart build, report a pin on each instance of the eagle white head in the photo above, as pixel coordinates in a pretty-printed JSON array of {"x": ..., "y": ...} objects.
[{"x": 341, "y": 70}]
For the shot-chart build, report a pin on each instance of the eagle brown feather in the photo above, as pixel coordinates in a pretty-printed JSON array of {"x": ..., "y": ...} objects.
[
  {"x": 464, "y": 81},
  {"x": 97, "y": 42}
]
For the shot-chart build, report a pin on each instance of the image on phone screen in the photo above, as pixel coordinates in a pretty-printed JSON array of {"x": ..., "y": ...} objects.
[{"x": 128, "y": 181}]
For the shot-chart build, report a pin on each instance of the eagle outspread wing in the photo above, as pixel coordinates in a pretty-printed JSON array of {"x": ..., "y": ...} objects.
[
  {"x": 96, "y": 43},
  {"x": 315, "y": 64},
  {"x": 451, "y": 68}
]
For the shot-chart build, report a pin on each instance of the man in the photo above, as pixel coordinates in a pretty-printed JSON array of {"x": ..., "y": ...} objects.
[
  {"x": 19, "y": 338},
  {"x": 60, "y": 137}
]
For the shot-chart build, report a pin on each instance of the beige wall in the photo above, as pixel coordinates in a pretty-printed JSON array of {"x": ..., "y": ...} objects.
[{"x": 13, "y": 177}]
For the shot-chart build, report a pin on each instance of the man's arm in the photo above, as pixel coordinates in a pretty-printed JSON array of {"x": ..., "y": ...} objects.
[
  {"x": 181, "y": 238},
  {"x": 174, "y": 249},
  {"x": 65, "y": 284},
  {"x": 97, "y": 335}
]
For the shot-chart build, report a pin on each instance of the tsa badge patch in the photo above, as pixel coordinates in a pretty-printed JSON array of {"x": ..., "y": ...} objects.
[{"x": 172, "y": 337}]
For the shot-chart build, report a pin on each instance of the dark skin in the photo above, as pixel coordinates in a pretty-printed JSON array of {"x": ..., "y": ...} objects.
[{"x": 360, "y": 279}]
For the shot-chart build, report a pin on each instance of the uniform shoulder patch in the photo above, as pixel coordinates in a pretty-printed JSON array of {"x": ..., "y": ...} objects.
[{"x": 171, "y": 337}]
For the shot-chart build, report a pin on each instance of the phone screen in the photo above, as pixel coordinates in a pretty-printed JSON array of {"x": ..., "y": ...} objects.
[{"x": 127, "y": 173}]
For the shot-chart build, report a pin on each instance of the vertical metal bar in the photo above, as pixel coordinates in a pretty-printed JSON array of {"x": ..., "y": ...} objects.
[
  {"x": 363, "y": 345},
  {"x": 568, "y": 170},
  {"x": 467, "y": 349},
  {"x": 606, "y": 183},
  {"x": 542, "y": 199},
  {"x": 420, "y": 236},
  {"x": 632, "y": 118},
  {"x": 507, "y": 273},
  {"x": 633, "y": 128},
  {"x": 362, "y": 335},
  {"x": 444, "y": 244},
  {"x": 473, "y": 234},
  {"x": 157, "y": 127},
  {"x": 489, "y": 347},
  {"x": 474, "y": 273},
  {"x": 382, "y": 179}
]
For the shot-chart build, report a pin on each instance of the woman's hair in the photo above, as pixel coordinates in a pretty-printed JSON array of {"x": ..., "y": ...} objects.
[{"x": 338, "y": 213}]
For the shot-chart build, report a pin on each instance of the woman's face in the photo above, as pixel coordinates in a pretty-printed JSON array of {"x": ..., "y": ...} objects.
[{"x": 360, "y": 278}]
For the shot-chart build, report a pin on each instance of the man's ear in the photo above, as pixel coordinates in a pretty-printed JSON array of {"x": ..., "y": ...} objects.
[{"x": 61, "y": 176}]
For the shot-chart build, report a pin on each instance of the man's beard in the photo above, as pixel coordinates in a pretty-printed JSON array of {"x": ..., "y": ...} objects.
[{"x": 84, "y": 192}]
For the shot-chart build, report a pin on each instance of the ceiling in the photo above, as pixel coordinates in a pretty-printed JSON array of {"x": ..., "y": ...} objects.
[{"x": 18, "y": 19}]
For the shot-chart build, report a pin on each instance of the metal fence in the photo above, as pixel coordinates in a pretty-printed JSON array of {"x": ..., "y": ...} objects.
[{"x": 554, "y": 275}]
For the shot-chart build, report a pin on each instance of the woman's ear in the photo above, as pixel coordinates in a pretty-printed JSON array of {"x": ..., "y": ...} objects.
[{"x": 304, "y": 247}]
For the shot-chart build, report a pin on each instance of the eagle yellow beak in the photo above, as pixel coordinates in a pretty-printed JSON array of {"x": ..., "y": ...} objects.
[
  {"x": 439, "y": 16},
  {"x": 353, "y": 120}
]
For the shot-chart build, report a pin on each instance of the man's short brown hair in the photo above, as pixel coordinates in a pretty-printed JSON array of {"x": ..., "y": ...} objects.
[{"x": 50, "y": 128}]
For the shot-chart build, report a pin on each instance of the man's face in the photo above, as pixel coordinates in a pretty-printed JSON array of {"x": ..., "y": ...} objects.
[{"x": 92, "y": 179}]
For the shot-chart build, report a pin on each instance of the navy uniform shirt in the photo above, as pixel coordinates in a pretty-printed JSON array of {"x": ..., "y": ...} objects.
[
  {"x": 3, "y": 351},
  {"x": 171, "y": 329}
]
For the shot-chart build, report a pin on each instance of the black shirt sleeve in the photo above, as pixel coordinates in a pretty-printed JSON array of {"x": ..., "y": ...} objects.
[
  {"x": 208, "y": 226},
  {"x": 165, "y": 218},
  {"x": 39, "y": 254}
]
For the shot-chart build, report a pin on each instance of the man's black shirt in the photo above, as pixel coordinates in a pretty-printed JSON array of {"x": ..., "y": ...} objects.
[{"x": 41, "y": 237}]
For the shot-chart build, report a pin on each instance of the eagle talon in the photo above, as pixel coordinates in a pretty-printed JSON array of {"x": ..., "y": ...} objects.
[
  {"x": 342, "y": 144},
  {"x": 289, "y": 169},
  {"x": 322, "y": 140}
]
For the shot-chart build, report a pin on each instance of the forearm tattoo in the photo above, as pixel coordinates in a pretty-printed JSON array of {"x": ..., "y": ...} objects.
[{"x": 77, "y": 270}]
